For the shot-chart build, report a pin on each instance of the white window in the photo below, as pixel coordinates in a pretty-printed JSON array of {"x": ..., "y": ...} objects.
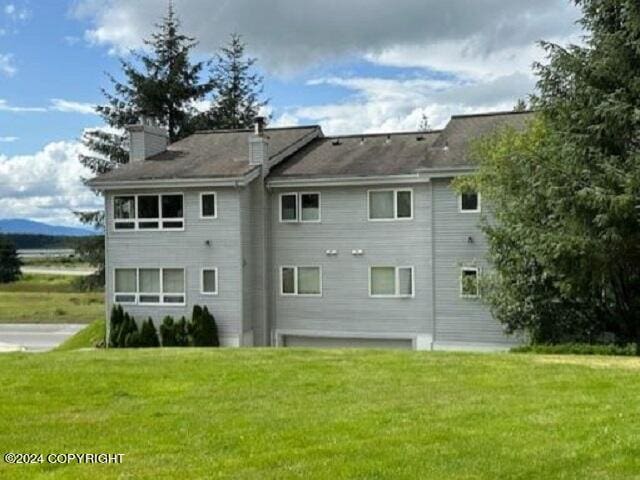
[
  {"x": 390, "y": 204},
  {"x": 208, "y": 205},
  {"x": 209, "y": 281},
  {"x": 148, "y": 212},
  {"x": 469, "y": 282},
  {"x": 469, "y": 202},
  {"x": 151, "y": 286},
  {"x": 385, "y": 281},
  {"x": 301, "y": 281},
  {"x": 299, "y": 207}
]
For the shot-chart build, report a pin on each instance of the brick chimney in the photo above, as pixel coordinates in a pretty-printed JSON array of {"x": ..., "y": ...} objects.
[
  {"x": 258, "y": 144},
  {"x": 146, "y": 138}
]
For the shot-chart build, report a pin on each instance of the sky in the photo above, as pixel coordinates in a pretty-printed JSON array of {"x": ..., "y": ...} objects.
[{"x": 350, "y": 65}]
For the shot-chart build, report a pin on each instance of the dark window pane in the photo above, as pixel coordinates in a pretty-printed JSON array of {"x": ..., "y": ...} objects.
[
  {"x": 148, "y": 225},
  {"x": 289, "y": 207},
  {"x": 173, "y": 299},
  {"x": 470, "y": 201},
  {"x": 288, "y": 280},
  {"x": 148, "y": 206},
  {"x": 172, "y": 206},
  {"x": 172, "y": 224},
  {"x": 125, "y": 298},
  {"x": 310, "y": 203},
  {"x": 209, "y": 205},
  {"x": 124, "y": 207},
  {"x": 124, "y": 225},
  {"x": 404, "y": 204},
  {"x": 149, "y": 299}
]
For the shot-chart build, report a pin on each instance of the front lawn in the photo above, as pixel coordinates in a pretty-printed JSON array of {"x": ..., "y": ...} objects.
[
  {"x": 279, "y": 413},
  {"x": 48, "y": 299}
]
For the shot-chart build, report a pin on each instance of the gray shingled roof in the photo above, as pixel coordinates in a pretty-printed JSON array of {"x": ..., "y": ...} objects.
[
  {"x": 207, "y": 154},
  {"x": 397, "y": 153}
]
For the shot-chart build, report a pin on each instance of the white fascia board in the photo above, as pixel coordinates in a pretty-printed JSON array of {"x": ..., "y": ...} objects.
[{"x": 348, "y": 181}]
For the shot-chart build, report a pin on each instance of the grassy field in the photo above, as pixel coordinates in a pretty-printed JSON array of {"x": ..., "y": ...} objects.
[
  {"x": 286, "y": 413},
  {"x": 48, "y": 299}
]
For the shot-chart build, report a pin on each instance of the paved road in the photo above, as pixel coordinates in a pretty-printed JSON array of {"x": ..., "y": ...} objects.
[
  {"x": 35, "y": 336},
  {"x": 57, "y": 271}
]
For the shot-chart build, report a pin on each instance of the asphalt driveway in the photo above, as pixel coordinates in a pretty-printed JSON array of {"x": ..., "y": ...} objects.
[{"x": 35, "y": 336}]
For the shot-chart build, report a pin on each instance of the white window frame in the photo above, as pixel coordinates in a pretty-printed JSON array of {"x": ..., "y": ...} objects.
[
  {"x": 298, "y": 196},
  {"x": 160, "y": 295},
  {"x": 207, "y": 269},
  {"x": 215, "y": 206},
  {"x": 397, "y": 282},
  {"x": 395, "y": 217},
  {"x": 477, "y": 272},
  {"x": 295, "y": 281},
  {"x": 136, "y": 220},
  {"x": 477, "y": 210}
]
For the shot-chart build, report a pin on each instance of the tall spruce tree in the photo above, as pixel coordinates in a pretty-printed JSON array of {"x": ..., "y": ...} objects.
[
  {"x": 237, "y": 89},
  {"x": 566, "y": 192},
  {"x": 161, "y": 82},
  {"x": 10, "y": 263}
]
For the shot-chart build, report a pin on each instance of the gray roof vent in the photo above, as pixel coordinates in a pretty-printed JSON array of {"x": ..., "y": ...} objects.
[{"x": 335, "y": 141}]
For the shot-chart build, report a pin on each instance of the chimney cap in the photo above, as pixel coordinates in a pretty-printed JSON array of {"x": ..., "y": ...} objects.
[{"x": 258, "y": 123}]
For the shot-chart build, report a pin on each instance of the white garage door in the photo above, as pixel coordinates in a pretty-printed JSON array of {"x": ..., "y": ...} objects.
[{"x": 338, "y": 342}]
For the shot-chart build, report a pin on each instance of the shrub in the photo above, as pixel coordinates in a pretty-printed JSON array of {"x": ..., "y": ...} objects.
[
  {"x": 117, "y": 320},
  {"x": 204, "y": 331},
  {"x": 168, "y": 332},
  {"x": 182, "y": 333},
  {"x": 578, "y": 349},
  {"x": 10, "y": 263},
  {"x": 129, "y": 336},
  {"x": 149, "y": 335}
]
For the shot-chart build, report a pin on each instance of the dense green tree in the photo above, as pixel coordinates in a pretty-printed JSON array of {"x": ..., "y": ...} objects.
[
  {"x": 149, "y": 335},
  {"x": 161, "y": 82},
  {"x": 566, "y": 192},
  {"x": 237, "y": 89},
  {"x": 10, "y": 263}
]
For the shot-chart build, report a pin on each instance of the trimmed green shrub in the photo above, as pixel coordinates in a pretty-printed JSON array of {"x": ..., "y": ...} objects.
[
  {"x": 117, "y": 320},
  {"x": 204, "y": 331},
  {"x": 578, "y": 349},
  {"x": 149, "y": 335},
  {"x": 168, "y": 332},
  {"x": 182, "y": 333},
  {"x": 211, "y": 327}
]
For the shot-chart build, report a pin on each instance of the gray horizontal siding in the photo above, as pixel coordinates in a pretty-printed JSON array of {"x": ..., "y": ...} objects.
[
  {"x": 345, "y": 305},
  {"x": 187, "y": 249},
  {"x": 459, "y": 319}
]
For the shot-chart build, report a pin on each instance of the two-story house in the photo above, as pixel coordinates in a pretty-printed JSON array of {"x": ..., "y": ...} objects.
[{"x": 292, "y": 238}]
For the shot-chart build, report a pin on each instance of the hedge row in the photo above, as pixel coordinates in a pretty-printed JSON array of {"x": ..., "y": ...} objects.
[
  {"x": 578, "y": 349},
  {"x": 199, "y": 331}
]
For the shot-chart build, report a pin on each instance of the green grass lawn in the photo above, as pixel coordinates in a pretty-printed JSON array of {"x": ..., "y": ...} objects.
[
  {"x": 48, "y": 299},
  {"x": 287, "y": 413}
]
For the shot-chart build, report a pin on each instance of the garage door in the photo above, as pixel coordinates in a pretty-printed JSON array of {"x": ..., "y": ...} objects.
[{"x": 341, "y": 342}]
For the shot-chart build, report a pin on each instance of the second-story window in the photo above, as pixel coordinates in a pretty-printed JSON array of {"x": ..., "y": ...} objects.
[
  {"x": 390, "y": 204},
  {"x": 469, "y": 202},
  {"x": 301, "y": 281},
  {"x": 148, "y": 212},
  {"x": 299, "y": 207},
  {"x": 208, "y": 205}
]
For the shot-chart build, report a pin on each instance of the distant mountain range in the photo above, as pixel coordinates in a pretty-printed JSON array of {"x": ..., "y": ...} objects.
[{"x": 22, "y": 225}]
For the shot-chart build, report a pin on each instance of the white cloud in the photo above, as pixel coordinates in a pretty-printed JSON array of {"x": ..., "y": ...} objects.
[
  {"x": 60, "y": 105},
  {"x": 381, "y": 105},
  {"x": 45, "y": 186},
  {"x": 9, "y": 139},
  {"x": 7, "y": 107},
  {"x": 289, "y": 34},
  {"x": 10, "y": 9},
  {"x": 7, "y": 66}
]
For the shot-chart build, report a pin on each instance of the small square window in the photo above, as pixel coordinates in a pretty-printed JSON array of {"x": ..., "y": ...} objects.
[
  {"x": 309, "y": 280},
  {"x": 148, "y": 206},
  {"x": 171, "y": 206},
  {"x": 208, "y": 205},
  {"x": 209, "y": 281},
  {"x": 469, "y": 282},
  {"x": 124, "y": 207},
  {"x": 310, "y": 206},
  {"x": 289, "y": 207},
  {"x": 469, "y": 202}
]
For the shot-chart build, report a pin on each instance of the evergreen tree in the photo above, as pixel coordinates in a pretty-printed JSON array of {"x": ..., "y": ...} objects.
[
  {"x": 168, "y": 332},
  {"x": 520, "y": 106},
  {"x": 163, "y": 83},
  {"x": 566, "y": 192},
  {"x": 10, "y": 263},
  {"x": 149, "y": 334},
  {"x": 236, "y": 87},
  {"x": 424, "y": 125}
]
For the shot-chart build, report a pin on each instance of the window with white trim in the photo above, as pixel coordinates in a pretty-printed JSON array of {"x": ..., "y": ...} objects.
[
  {"x": 148, "y": 212},
  {"x": 208, "y": 205},
  {"x": 469, "y": 202},
  {"x": 209, "y": 281},
  {"x": 299, "y": 207},
  {"x": 392, "y": 204},
  {"x": 300, "y": 280},
  {"x": 388, "y": 281},
  {"x": 469, "y": 282},
  {"x": 149, "y": 286}
]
